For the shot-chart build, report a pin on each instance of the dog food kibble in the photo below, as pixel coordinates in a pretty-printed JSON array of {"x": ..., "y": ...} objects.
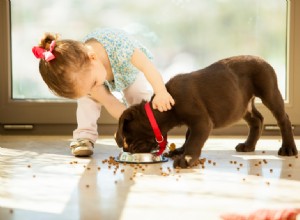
[
  {"x": 271, "y": 170},
  {"x": 289, "y": 175},
  {"x": 202, "y": 160},
  {"x": 265, "y": 161},
  {"x": 290, "y": 165},
  {"x": 99, "y": 168},
  {"x": 28, "y": 166},
  {"x": 164, "y": 174},
  {"x": 209, "y": 161},
  {"x": 263, "y": 151},
  {"x": 172, "y": 147}
]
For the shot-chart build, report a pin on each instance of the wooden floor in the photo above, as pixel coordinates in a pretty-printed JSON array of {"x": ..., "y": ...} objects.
[{"x": 39, "y": 179}]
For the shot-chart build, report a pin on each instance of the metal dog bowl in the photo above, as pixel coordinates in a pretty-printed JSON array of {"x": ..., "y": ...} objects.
[{"x": 142, "y": 158}]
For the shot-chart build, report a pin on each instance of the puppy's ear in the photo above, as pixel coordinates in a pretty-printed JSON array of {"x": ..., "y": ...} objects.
[
  {"x": 124, "y": 119},
  {"x": 128, "y": 114},
  {"x": 119, "y": 135}
]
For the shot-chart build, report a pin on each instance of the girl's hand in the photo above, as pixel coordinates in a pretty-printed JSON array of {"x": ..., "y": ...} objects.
[{"x": 163, "y": 101}]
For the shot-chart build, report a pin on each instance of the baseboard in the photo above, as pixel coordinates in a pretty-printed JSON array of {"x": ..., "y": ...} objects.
[{"x": 110, "y": 129}]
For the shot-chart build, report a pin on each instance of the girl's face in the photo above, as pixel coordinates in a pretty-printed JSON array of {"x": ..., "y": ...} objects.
[{"x": 91, "y": 78}]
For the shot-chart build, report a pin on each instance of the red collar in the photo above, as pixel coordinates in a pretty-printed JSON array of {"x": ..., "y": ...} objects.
[{"x": 161, "y": 141}]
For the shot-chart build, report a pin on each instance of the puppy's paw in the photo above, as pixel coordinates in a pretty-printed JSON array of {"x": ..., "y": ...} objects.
[
  {"x": 176, "y": 152},
  {"x": 288, "y": 150},
  {"x": 184, "y": 161},
  {"x": 243, "y": 147}
]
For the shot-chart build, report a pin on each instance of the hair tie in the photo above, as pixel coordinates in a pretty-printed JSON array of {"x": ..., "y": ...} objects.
[{"x": 41, "y": 53}]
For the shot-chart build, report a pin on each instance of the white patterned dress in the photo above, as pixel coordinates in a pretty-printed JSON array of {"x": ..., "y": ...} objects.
[{"x": 119, "y": 46}]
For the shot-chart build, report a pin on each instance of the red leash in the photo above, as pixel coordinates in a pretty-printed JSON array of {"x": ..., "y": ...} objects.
[{"x": 160, "y": 139}]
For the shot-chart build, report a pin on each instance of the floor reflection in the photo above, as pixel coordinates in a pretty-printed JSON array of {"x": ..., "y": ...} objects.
[{"x": 39, "y": 179}]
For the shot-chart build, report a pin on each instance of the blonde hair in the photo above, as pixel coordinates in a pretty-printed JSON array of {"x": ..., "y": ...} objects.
[{"x": 70, "y": 57}]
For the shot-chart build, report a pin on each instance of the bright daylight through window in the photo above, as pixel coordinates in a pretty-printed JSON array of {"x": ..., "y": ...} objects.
[{"x": 183, "y": 35}]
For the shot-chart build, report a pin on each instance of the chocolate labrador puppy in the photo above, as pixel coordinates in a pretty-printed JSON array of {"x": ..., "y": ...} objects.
[{"x": 213, "y": 97}]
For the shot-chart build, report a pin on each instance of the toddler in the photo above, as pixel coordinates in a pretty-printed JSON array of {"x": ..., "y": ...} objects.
[{"x": 107, "y": 60}]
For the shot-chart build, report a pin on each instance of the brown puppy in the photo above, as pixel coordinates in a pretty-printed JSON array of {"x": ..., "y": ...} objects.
[{"x": 213, "y": 97}]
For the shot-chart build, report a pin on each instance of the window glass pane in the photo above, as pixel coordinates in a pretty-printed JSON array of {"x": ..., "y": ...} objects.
[{"x": 183, "y": 35}]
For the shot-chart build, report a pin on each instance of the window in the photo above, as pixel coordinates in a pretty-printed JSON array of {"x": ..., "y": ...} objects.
[{"x": 183, "y": 35}]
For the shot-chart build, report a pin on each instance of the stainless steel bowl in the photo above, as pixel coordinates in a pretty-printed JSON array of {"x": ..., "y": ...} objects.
[{"x": 126, "y": 157}]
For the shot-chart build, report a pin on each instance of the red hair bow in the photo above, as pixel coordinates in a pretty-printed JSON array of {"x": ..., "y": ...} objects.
[{"x": 41, "y": 53}]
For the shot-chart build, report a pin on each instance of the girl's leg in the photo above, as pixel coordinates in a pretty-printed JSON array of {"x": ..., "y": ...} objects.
[
  {"x": 88, "y": 112},
  {"x": 138, "y": 91},
  {"x": 86, "y": 133}
]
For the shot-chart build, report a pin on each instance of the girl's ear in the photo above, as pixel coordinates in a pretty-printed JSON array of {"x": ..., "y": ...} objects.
[{"x": 92, "y": 55}]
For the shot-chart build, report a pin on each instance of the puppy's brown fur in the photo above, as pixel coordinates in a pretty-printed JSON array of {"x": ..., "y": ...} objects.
[{"x": 213, "y": 97}]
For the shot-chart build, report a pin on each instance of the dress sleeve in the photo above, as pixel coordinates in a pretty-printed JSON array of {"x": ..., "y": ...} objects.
[{"x": 122, "y": 46}]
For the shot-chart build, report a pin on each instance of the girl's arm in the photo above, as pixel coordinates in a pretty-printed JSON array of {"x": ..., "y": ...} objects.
[
  {"x": 162, "y": 101},
  {"x": 103, "y": 96}
]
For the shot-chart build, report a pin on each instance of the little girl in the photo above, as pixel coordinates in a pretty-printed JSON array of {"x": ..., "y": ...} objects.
[{"x": 107, "y": 60}]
